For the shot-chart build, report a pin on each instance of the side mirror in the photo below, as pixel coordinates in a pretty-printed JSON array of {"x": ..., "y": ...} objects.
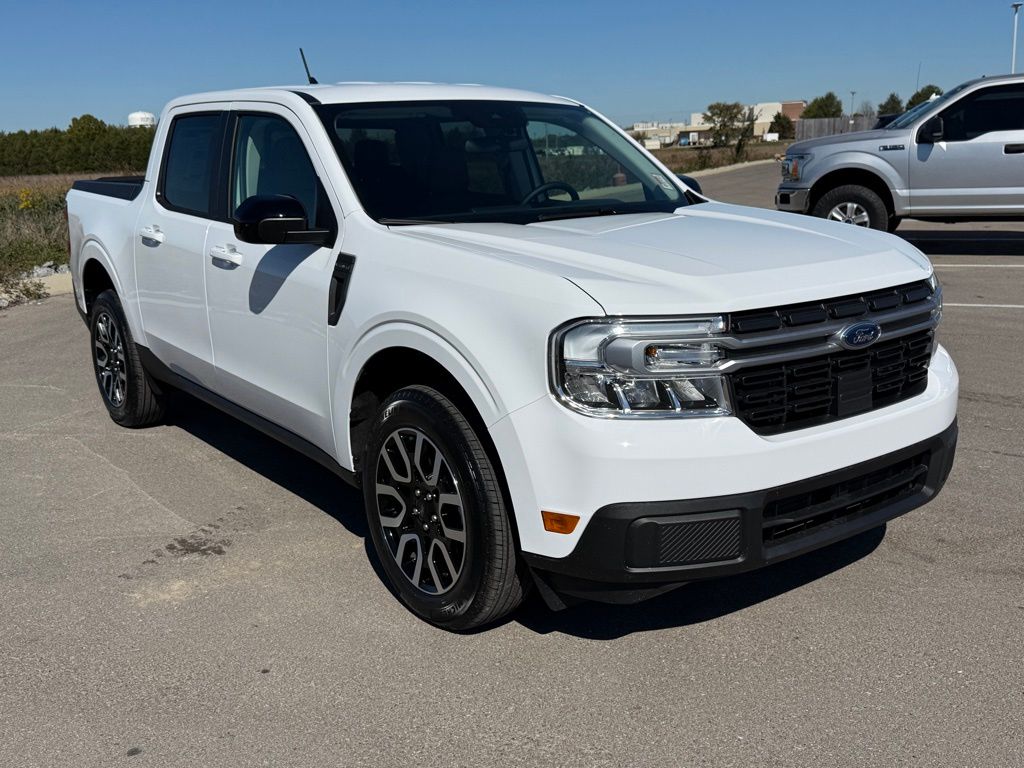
[
  {"x": 691, "y": 182},
  {"x": 932, "y": 131},
  {"x": 276, "y": 219}
]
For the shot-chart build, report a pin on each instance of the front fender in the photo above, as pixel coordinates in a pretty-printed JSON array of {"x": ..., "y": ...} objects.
[
  {"x": 423, "y": 340},
  {"x": 892, "y": 171}
]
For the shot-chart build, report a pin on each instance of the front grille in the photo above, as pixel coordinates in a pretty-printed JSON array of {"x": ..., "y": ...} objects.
[
  {"x": 844, "y": 307},
  {"x": 804, "y": 513},
  {"x": 789, "y": 371},
  {"x": 802, "y": 393}
]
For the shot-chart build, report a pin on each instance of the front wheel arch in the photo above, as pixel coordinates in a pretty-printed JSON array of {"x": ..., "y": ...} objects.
[{"x": 851, "y": 177}]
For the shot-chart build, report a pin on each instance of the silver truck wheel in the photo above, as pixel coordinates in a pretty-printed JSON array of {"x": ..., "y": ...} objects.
[{"x": 853, "y": 204}]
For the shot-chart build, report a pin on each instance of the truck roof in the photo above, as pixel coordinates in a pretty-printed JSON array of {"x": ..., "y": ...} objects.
[{"x": 359, "y": 92}]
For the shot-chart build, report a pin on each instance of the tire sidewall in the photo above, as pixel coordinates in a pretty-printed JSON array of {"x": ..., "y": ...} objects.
[
  {"x": 878, "y": 214},
  {"x": 403, "y": 411}
]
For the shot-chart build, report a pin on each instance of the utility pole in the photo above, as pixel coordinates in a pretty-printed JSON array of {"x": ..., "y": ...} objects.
[
  {"x": 1013, "y": 56},
  {"x": 852, "y": 95}
]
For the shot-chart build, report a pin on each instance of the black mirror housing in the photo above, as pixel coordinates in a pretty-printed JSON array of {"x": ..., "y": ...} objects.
[
  {"x": 931, "y": 131},
  {"x": 275, "y": 220},
  {"x": 691, "y": 182}
]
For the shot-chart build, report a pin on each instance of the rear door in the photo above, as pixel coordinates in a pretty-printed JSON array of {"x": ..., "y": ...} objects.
[
  {"x": 268, "y": 304},
  {"x": 170, "y": 241},
  {"x": 979, "y": 166}
]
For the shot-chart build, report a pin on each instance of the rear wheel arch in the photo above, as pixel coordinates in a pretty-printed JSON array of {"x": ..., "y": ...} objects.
[{"x": 95, "y": 280}]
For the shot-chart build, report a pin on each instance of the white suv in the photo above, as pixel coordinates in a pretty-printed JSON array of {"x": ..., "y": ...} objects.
[{"x": 544, "y": 358}]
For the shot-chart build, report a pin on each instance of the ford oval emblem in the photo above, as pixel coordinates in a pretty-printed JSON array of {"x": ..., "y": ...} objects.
[{"x": 859, "y": 335}]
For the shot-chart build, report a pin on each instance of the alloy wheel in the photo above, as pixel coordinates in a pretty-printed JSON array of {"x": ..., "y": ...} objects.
[
  {"x": 108, "y": 357},
  {"x": 850, "y": 213},
  {"x": 421, "y": 511}
]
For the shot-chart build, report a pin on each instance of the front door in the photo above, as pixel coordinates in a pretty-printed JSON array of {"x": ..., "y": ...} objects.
[
  {"x": 170, "y": 241},
  {"x": 268, "y": 304},
  {"x": 978, "y": 167}
]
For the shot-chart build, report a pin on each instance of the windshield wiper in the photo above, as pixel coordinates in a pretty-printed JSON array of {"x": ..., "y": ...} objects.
[{"x": 576, "y": 214}]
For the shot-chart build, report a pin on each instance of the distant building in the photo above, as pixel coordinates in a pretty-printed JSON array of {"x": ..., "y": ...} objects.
[
  {"x": 697, "y": 131},
  {"x": 141, "y": 120}
]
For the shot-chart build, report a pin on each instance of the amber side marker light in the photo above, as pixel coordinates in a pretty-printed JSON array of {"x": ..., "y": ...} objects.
[{"x": 559, "y": 522}]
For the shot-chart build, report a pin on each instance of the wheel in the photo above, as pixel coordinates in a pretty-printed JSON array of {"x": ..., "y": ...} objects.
[
  {"x": 436, "y": 513},
  {"x": 894, "y": 223},
  {"x": 130, "y": 396},
  {"x": 853, "y": 204}
]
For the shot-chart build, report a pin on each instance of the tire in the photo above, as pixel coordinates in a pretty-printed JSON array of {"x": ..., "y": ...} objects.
[
  {"x": 894, "y": 223},
  {"x": 853, "y": 204},
  {"x": 131, "y": 397},
  {"x": 427, "y": 483}
]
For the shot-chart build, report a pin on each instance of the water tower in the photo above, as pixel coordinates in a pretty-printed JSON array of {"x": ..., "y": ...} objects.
[{"x": 141, "y": 120}]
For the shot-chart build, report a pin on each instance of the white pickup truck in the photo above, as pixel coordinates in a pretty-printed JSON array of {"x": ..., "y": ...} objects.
[{"x": 544, "y": 359}]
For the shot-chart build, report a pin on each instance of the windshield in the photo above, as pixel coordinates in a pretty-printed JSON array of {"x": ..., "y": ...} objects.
[
  {"x": 457, "y": 161},
  {"x": 908, "y": 117}
]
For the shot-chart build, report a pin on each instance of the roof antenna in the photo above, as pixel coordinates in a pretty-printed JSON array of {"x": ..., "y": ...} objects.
[{"x": 312, "y": 80}]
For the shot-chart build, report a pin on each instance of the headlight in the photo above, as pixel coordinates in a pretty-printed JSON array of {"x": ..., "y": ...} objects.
[
  {"x": 640, "y": 368},
  {"x": 936, "y": 286},
  {"x": 793, "y": 165}
]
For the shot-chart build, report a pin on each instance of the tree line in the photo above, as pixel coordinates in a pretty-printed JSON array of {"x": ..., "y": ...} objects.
[{"x": 87, "y": 145}]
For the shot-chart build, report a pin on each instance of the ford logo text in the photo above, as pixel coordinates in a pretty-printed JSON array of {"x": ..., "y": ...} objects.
[{"x": 859, "y": 335}]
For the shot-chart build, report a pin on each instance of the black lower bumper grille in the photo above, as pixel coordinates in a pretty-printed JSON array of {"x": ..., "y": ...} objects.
[
  {"x": 812, "y": 510},
  {"x": 802, "y": 393}
]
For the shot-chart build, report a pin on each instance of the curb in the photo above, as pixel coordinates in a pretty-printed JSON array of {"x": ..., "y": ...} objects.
[
  {"x": 57, "y": 285},
  {"x": 726, "y": 168}
]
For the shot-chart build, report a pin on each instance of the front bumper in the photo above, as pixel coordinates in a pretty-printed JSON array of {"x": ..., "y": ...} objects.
[
  {"x": 792, "y": 199},
  {"x": 558, "y": 460},
  {"x": 632, "y": 551}
]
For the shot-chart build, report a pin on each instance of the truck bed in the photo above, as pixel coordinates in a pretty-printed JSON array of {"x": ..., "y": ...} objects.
[{"x": 123, "y": 187}]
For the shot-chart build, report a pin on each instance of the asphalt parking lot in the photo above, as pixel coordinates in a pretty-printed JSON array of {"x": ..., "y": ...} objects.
[{"x": 195, "y": 594}]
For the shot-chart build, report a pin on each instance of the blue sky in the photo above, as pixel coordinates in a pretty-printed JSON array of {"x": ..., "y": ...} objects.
[{"x": 630, "y": 60}]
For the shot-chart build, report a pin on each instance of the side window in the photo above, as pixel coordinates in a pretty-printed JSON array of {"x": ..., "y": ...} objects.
[
  {"x": 992, "y": 109},
  {"x": 188, "y": 171},
  {"x": 270, "y": 159}
]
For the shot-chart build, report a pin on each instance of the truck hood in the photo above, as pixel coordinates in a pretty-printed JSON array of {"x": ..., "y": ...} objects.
[
  {"x": 708, "y": 257},
  {"x": 871, "y": 138}
]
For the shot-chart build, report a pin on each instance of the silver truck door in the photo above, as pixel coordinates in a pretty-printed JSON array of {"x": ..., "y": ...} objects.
[{"x": 978, "y": 166}]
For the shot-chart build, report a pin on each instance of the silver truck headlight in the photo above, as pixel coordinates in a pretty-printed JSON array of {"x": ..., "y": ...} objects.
[
  {"x": 793, "y": 165},
  {"x": 640, "y": 368}
]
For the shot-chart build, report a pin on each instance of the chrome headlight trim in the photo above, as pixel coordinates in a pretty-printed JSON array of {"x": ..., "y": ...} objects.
[{"x": 613, "y": 355}]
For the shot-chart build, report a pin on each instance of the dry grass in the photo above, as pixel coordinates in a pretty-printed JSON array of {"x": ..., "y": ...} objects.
[
  {"x": 689, "y": 159},
  {"x": 33, "y": 229}
]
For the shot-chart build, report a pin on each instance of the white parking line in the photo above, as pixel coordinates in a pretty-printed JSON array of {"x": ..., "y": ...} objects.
[
  {"x": 988, "y": 306},
  {"x": 982, "y": 266}
]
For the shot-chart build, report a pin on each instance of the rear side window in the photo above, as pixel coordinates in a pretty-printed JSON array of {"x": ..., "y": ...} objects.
[{"x": 190, "y": 163}]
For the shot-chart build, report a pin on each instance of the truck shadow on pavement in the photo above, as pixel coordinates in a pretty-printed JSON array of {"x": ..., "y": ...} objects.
[
  {"x": 690, "y": 604},
  {"x": 938, "y": 242},
  {"x": 699, "y": 601}
]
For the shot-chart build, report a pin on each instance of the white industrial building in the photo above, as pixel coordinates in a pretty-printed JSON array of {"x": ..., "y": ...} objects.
[{"x": 697, "y": 129}]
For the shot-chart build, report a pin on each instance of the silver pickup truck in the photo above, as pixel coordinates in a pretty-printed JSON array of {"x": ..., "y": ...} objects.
[{"x": 954, "y": 158}]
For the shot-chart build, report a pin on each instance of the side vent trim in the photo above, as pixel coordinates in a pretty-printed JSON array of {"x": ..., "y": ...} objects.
[{"x": 339, "y": 286}]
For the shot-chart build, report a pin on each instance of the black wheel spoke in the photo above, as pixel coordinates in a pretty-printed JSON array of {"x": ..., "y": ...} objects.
[{"x": 420, "y": 511}]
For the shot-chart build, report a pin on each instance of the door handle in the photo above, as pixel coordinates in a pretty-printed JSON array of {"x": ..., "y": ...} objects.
[
  {"x": 1013, "y": 149},
  {"x": 152, "y": 232},
  {"x": 226, "y": 253}
]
